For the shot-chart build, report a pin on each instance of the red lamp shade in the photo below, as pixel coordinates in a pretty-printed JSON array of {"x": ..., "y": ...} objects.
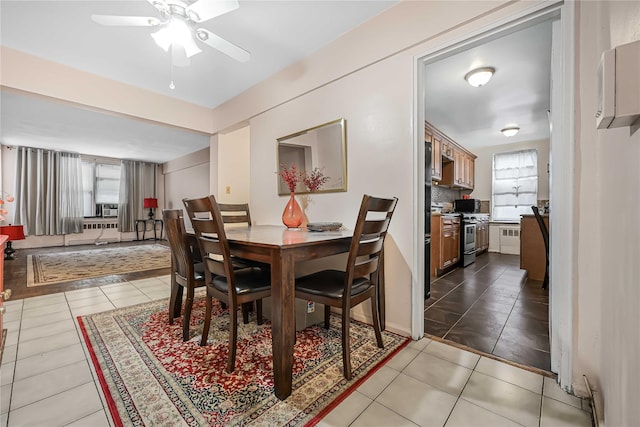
[
  {"x": 15, "y": 232},
  {"x": 150, "y": 203}
]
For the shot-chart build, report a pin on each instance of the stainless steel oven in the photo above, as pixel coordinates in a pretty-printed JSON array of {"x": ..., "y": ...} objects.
[{"x": 468, "y": 241}]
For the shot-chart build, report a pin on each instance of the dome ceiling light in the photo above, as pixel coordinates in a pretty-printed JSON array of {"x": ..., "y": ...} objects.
[
  {"x": 479, "y": 76},
  {"x": 510, "y": 130}
]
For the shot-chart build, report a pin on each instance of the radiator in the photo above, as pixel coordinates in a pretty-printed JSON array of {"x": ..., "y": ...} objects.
[
  {"x": 510, "y": 240},
  {"x": 95, "y": 232}
]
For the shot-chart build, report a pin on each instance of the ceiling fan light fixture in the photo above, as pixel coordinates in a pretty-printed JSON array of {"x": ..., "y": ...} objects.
[
  {"x": 510, "y": 130},
  {"x": 479, "y": 76},
  {"x": 178, "y": 33}
]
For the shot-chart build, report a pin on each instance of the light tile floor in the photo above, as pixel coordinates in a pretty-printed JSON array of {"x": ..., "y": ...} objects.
[{"x": 47, "y": 379}]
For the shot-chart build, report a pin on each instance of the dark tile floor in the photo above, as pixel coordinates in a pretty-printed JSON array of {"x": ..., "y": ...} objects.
[
  {"x": 490, "y": 306},
  {"x": 15, "y": 272}
]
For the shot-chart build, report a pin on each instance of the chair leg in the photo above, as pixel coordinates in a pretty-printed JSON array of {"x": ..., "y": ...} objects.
[
  {"x": 327, "y": 316},
  {"x": 545, "y": 282},
  {"x": 186, "y": 318},
  {"x": 246, "y": 308},
  {"x": 346, "y": 347},
  {"x": 207, "y": 321},
  {"x": 233, "y": 337},
  {"x": 376, "y": 320},
  {"x": 259, "y": 320},
  {"x": 175, "y": 302}
]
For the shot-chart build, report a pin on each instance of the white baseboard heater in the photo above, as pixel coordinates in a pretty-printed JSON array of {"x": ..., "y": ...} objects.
[
  {"x": 100, "y": 231},
  {"x": 510, "y": 240}
]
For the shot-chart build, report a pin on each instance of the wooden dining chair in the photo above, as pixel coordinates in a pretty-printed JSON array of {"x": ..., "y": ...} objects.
[
  {"x": 359, "y": 282},
  {"x": 186, "y": 273},
  {"x": 232, "y": 286},
  {"x": 545, "y": 238},
  {"x": 237, "y": 213}
]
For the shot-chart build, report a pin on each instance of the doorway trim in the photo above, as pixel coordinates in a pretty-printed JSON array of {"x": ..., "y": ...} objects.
[{"x": 561, "y": 266}]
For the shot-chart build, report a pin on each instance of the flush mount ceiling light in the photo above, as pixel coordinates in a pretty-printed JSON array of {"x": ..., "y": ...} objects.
[
  {"x": 510, "y": 130},
  {"x": 479, "y": 76}
]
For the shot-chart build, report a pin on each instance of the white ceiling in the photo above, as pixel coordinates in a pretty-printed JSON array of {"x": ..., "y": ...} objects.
[
  {"x": 518, "y": 93},
  {"x": 277, "y": 33}
]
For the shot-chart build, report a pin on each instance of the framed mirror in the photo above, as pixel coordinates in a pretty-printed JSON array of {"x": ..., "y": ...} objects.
[{"x": 323, "y": 147}]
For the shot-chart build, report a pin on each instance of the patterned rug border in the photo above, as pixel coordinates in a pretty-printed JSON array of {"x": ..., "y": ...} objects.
[
  {"x": 31, "y": 268},
  {"x": 116, "y": 416}
]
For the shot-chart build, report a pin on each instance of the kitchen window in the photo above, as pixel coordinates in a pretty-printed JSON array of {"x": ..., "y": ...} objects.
[
  {"x": 515, "y": 184},
  {"x": 101, "y": 186}
]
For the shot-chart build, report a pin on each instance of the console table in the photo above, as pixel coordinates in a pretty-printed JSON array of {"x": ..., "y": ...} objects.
[{"x": 154, "y": 223}]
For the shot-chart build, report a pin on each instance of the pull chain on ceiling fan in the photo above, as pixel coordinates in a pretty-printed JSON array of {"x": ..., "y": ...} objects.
[{"x": 178, "y": 28}]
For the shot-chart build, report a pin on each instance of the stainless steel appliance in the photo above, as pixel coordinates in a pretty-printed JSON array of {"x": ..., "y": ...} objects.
[
  {"x": 468, "y": 239},
  {"x": 467, "y": 205}
]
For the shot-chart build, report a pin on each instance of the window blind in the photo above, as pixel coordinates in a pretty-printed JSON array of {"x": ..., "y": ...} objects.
[{"x": 515, "y": 184}]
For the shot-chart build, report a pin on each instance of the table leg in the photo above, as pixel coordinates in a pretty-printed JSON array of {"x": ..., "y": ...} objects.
[{"x": 283, "y": 321}]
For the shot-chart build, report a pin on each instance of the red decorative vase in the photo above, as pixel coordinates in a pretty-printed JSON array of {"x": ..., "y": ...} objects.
[{"x": 292, "y": 215}]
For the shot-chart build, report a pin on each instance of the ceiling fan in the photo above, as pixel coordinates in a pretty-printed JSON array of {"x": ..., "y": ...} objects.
[{"x": 178, "y": 27}]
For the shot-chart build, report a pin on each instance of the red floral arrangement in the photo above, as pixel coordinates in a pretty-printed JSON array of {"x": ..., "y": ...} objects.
[
  {"x": 3, "y": 211},
  {"x": 291, "y": 176},
  {"x": 315, "y": 180}
]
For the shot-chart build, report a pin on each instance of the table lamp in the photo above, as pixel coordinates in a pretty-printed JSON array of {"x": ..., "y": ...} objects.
[
  {"x": 150, "y": 203},
  {"x": 15, "y": 232}
]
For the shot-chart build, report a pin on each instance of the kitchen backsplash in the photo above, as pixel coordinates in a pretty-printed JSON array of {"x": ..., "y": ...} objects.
[{"x": 441, "y": 194}]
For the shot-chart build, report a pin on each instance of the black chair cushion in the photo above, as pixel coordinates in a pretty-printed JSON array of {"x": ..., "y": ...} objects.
[
  {"x": 330, "y": 283},
  {"x": 199, "y": 271},
  {"x": 248, "y": 280}
]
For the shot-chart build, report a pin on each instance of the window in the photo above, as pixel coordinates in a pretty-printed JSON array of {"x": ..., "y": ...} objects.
[
  {"x": 515, "y": 184},
  {"x": 101, "y": 185}
]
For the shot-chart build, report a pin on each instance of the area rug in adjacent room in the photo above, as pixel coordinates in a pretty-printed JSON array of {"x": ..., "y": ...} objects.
[
  {"x": 149, "y": 376},
  {"x": 59, "y": 267}
]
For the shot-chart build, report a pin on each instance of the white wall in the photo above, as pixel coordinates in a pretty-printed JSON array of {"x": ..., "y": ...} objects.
[
  {"x": 234, "y": 166},
  {"x": 606, "y": 337},
  {"x": 187, "y": 176},
  {"x": 484, "y": 165},
  {"x": 367, "y": 78}
]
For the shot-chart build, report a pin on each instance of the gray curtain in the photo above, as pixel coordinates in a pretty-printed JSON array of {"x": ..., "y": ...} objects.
[
  {"x": 137, "y": 181},
  {"x": 48, "y": 192}
]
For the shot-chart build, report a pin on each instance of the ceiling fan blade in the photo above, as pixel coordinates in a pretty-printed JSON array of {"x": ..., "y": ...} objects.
[
  {"x": 203, "y": 10},
  {"x": 134, "y": 21},
  {"x": 222, "y": 45}
]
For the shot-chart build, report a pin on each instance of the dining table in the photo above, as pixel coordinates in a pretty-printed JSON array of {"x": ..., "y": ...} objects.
[{"x": 282, "y": 248}]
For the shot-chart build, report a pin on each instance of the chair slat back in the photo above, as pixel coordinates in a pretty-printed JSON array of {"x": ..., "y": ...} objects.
[
  {"x": 180, "y": 249},
  {"x": 235, "y": 213},
  {"x": 212, "y": 239},
  {"x": 368, "y": 237}
]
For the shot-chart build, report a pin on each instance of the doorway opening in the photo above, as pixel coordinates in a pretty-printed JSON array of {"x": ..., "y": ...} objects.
[{"x": 469, "y": 127}]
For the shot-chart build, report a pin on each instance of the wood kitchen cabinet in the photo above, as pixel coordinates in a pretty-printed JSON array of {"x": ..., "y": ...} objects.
[
  {"x": 451, "y": 164},
  {"x": 445, "y": 243},
  {"x": 482, "y": 235},
  {"x": 436, "y": 154}
]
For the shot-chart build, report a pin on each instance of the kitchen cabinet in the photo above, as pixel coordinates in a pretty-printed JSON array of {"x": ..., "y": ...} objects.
[
  {"x": 451, "y": 164},
  {"x": 532, "y": 252},
  {"x": 482, "y": 235},
  {"x": 450, "y": 254},
  {"x": 436, "y": 154},
  {"x": 445, "y": 243}
]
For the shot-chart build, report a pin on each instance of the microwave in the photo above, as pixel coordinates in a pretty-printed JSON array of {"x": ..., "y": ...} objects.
[{"x": 467, "y": 205}]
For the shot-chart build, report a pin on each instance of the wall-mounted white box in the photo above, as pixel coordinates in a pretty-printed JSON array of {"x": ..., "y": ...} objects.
[{"x": 619, "y": 87}]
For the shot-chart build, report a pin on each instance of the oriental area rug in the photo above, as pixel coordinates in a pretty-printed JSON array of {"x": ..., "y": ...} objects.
[
  {"x": 149, "y": 376},
  {"x": 47, "y": 269}
]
